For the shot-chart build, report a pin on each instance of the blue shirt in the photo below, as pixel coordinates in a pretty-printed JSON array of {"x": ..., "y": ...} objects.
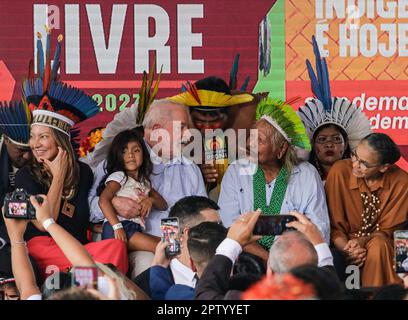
[
  {"x": 174, "y": 180},
  {"x": 305, "y": 193}
]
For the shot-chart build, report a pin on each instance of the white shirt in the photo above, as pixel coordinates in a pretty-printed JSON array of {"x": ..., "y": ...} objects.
[
  {"x": 324, "y": 255},
  {"x": 182, "y": 274},
  {"x": 304, "y": 193},
  {"x": 35, "y": 297},
  {"x": 173, "y": 180},
  {"x": 230, "y": 249}
]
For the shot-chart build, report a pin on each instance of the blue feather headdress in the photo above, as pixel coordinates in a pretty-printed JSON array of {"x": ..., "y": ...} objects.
[
  {"x": 326, "y": 109},
  {"x": 15, "y": 119},
  {"x": 54, "y": 103}
]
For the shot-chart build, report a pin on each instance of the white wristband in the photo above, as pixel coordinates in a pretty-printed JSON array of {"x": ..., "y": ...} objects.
[
  {"x": 117, "y": 226},
  {"x": 47, "y": 223}
]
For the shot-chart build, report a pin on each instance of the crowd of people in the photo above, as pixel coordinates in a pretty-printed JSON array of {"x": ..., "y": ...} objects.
[{"x": 322, "y": 165}]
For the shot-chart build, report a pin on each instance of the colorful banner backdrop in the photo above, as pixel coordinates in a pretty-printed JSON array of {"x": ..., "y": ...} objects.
[{"x": 107, "y": 46}]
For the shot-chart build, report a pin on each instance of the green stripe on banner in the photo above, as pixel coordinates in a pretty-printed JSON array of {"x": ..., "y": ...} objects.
[{"x": 273, "y": 79}]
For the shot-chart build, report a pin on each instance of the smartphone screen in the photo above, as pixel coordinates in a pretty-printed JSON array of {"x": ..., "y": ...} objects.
[
  {"x": 85, "y": 277},
  {"x": 273, "y": 225},
  {"x": 171, "y": 233},
  {"x": 401, "y": 251}
]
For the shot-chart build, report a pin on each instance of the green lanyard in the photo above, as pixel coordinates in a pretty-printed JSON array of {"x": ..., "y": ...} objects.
[{"x": 278, "y": 194}]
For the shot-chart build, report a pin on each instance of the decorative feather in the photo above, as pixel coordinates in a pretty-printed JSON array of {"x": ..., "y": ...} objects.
[
  {"x": 209, "y": 98},
  {"x": 245, "y": 85},
  {"x": 56, "y": 62},
  {"x": 313, "y": 81},
  {"x": 146, "y": 96},
  {"x": 234, "y": 73},
  {"x": 328, "y": 110},
  {"x": 15, "y": 121},
  {"x": 320, "y": 82},
  {"x": 326, "y": 85},
  {"x": 40, "y": 56},
  {"x": 286, "y": 119},
  {"x": 293, "y": 100},
  {"x": 31, "y": 74},
  {"x": 192, "y": 89},
  {"x": 343, "y": 114}
]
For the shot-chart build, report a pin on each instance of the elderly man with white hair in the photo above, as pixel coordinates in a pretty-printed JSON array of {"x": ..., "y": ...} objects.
[{"x": 165, "y": 131}]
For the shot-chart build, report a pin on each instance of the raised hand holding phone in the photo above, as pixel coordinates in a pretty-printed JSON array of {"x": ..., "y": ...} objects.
[{"x": 171, "y": 234}]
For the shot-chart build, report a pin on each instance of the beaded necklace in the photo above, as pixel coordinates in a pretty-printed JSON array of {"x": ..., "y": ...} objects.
[
  {"x": 275, "y": 204},
  {"x": 371, "y": 211}
]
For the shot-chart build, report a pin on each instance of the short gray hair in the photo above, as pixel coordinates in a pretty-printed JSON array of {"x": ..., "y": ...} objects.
[
  {"x": 160, "y": 111},
  {"x": 282, "y": 255}
]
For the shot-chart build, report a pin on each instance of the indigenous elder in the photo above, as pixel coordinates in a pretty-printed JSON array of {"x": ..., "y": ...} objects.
[
  {"x": 335, "y": 125},
  {"x": 55, "y": 170},
  {"x": 279, "y": 182},
  {"x": 368, "y": 200}
]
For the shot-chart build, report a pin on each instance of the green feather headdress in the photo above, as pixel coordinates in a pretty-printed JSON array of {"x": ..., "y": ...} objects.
[{"x": 284, "y": 119}]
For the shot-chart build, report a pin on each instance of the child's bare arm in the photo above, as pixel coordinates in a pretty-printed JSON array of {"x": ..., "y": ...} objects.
[{"x": 105, "y": 202}]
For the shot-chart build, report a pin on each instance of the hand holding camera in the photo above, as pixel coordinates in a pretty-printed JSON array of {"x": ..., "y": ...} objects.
[
  {"x": 17, "y": 205},
  {"x": 19, "y": 208},
  {"x": 42, "y": 207},
  {"x": 242, "y": 229},
  {"x": 15, "y": 227},
  {"x": 160, "y": 256}
]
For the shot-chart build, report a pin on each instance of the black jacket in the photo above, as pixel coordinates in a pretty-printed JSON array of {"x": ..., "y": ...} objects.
[{"x": 214, "y": 282}]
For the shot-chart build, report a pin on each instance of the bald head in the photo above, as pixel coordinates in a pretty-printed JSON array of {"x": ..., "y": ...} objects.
[{"x": 292, "y": 249}]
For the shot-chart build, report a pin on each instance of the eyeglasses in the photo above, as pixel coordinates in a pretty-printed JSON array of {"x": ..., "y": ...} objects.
[
  {"x": 363, "y": 164},
  {"x": 325, "y": 139}
]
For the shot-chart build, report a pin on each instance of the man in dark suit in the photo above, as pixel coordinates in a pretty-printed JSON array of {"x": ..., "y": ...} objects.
[
  {"x": 202, "y": 242},
  {"x": 190, "y": 211},
  {"x": 305, "y": 242}
]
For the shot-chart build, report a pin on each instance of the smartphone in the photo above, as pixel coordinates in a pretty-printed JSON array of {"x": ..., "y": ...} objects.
[
  {"x": 171, "y": 233},
  {"x": 2, "y": 294},
  {"x": 401, "y": 251},
  {"x": 85, "y": 277},
  {"x": 273, "y": 225}
]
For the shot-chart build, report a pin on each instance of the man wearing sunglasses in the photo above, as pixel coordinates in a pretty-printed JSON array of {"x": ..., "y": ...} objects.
[{"x": 367, "y": 197}]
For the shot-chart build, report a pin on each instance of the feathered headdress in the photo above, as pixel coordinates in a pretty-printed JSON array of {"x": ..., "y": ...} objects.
[
  {"x": 128, "y": 118},
  {"x": 326, "y": 109},
  {"x": 208, "y": 99},
  {"x": 53, "y": 103},
  {"x": 233, "y": 82},
  {"x": 284, "y": 119},
  {"x": 15, "y": 119},
  {"x": 280, "y": 287}
]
